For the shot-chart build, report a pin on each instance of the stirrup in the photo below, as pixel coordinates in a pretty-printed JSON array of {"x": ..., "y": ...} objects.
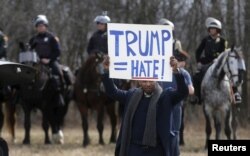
[{"x": 237, "y": 98}]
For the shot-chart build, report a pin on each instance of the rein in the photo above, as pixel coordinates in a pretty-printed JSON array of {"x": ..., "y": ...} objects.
[{"x": 228, "y": 67}]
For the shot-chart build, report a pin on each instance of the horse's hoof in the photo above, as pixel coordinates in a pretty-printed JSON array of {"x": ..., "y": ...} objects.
[
  {"x": 113, "y": 140},
  {"x": 86, "y": 143},
  {"x": 14, "y": 140},
  {"x": 205, "y": 148},
  {"x": 26, "y": 142},
  {"x": 182, "y": 143},
  {"x": 101, "y": 142},
  {"x": 47, "y": 142},
  {"x": 58, "y": 138}
]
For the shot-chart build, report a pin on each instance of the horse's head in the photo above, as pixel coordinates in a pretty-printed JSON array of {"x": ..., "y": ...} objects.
[
  {"x": 94, "y": 63},
  {"x": 90, "y": 73},
  {"x": 235, "y": 66}
]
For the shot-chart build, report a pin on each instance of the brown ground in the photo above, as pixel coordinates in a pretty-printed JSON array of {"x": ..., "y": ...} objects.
[{"x": 194, "y": 139}]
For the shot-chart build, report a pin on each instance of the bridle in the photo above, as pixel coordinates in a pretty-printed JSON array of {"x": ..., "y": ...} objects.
[{"x": 231, "y": 75}]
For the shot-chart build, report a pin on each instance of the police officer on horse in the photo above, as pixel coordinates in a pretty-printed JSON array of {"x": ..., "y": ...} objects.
[
  {"x": 209, "y": 49},
  {"x": 47, "y": 47},
  {"x": 98, "y": 42},
  {"x": 178, "y": 52}
]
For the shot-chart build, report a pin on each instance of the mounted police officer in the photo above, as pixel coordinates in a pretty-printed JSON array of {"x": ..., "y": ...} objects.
[
  {"x": 209, "y": 49},
  {"x": 3, "y": 45},
  {"x": 212, "y": 45},
  {"x": 178, "y": 52},
  {"x": 98, "y": 42},
  {"x": 47, "y": 47}
]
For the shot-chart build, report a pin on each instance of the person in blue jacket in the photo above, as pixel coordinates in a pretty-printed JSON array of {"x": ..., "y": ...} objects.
[
  {"x": 146, "y": 111},
  {"x": 176, "y": 124}
]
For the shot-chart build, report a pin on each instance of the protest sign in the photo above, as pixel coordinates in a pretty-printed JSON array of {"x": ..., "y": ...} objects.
[{"x": 140, "y": 52}]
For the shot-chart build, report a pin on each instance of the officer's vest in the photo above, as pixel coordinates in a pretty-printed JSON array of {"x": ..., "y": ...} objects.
[
  {"x": 43, "y": 46},
  {"x": 213, "y": 48}
]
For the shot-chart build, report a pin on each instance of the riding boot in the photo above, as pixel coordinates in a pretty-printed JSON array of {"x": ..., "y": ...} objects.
[
  {"x": 62, "y": 83},
  {"x": 196, "y": 98},
  {"x": 237, "y": 97}
]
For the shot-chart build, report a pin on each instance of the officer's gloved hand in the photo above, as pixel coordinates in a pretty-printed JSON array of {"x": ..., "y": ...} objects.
[
  {"x": 199, "y": 66},
  {"x": 45, "y": 60}
]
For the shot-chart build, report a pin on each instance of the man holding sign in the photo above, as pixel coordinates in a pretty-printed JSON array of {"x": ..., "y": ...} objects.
[{"x": 146, "y": 110}]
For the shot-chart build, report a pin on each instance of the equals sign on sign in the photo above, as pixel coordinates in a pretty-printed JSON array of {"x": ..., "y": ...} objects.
[{"x": 120, "y": 65}]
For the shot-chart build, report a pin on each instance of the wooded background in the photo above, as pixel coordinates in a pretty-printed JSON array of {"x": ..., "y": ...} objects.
[{"x": 72, "y": 22}]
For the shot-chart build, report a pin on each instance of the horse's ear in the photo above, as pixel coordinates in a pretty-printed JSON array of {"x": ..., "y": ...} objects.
[
  {"x": 99, "y": 55},
  {"x": 21, "y": 46}
]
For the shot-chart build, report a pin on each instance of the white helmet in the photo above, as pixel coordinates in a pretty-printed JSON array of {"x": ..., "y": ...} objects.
[
  {"x": 213, "y": 23},
  {"x": 165, "y": 21},
  {"x": 102, "y": 18},
  {"x": 41, "y": 19}
]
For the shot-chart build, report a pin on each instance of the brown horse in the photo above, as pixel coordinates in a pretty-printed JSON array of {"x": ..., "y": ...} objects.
[{"x": 88, "y": 94}]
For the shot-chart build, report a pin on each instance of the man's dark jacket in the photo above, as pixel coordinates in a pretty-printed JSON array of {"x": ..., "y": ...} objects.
[{"x": 164, "y": 110}]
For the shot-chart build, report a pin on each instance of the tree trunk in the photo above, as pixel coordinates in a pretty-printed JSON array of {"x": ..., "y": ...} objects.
[{"x": 246, "y": 87}]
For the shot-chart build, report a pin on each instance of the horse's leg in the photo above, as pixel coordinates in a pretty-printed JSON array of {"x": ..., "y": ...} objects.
[
  {"x": 217, "y": 124},
  {"x": 10, "y": 110},
  {"x": 100, "y": 116},
  {"x": 208, "y": 126},
  {"x": 59, "y": 115},
  {"x": 234, "y": 121},
  {"x": 84, "y": 115},
  {"x": 181, "y": 136},
  {"x": 27, "y": 124},
  {"x": 228, "y": 124},
  {"x": 113, "y": 120},
  {"x": 1, "y": 117},
  {"x": 45, "y": 125},
  {"x": 54, "y": 123}
]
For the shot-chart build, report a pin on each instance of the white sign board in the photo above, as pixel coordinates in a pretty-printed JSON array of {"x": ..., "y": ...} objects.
[{"x": 140, "y": 52}]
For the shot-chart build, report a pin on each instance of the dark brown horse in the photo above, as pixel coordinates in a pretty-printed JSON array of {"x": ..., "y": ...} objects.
[
  {"x": 88, "y": 93},
  {"x": 43, "y": 95},
  {"x": 11, "y": 74}
]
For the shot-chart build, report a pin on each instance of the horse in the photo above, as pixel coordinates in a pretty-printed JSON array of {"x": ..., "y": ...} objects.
[
  {"x": 89, "y": 94},
  {"x": 42, "y": 94},
  {"x": 216, "y": 93}
]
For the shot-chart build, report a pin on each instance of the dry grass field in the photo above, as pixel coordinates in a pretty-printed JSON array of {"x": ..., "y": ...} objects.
[{"x": 194, "y": 139}]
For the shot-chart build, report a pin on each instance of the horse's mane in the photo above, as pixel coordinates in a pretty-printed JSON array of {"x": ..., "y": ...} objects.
[
  {"x": 87, "y": 72},
  {"x": 219, "y": 63}
]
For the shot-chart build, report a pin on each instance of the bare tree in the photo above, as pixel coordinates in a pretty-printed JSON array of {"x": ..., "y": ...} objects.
[{"x": 72, "y": 22}]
